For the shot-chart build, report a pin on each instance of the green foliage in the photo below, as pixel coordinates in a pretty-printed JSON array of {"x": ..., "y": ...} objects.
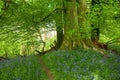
[
  {"x": 71, "y": 65},
  {"x": 21, "y": 22},
  {"x": 82, "y": 65},
  {"x": 115, "y": 46},
  {"x": 1, "y": 4},
  {"x": 22, "y": 68},
  {"x": 23, "y": 19},
  {"x": 25, "y": 15},
  {"x": 10, "y": 48},
  {"x": 104, "y": 15}
]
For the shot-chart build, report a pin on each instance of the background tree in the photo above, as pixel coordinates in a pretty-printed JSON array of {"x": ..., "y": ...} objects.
[{"x": 78, "y": 23}]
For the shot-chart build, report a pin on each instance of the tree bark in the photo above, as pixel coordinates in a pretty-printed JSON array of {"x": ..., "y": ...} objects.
[
  {"x": 59, "y": 28},
  {"x": 70, "y": 16},
  {"x": 81, "y": 12},
  {"x": 74, "y": 19},
  {"x": 59, "y": 37},
  {"x": 95, "y": 33}
]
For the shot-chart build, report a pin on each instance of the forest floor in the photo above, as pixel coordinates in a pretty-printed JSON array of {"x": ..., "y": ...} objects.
[
  {"x": 79, "y": 64},
  {"x": 82, "y": 64},
  {"x": 46, "y": 69}
]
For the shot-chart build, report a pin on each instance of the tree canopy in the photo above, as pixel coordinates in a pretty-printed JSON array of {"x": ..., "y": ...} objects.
[{"x": 80, "y": 21}]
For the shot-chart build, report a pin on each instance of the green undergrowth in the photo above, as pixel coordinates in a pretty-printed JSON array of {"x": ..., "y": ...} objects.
[
  {"x": 22, "y": 68},
  {"x": 115, "y": 46},
  {"x": 82, "y": 65}
]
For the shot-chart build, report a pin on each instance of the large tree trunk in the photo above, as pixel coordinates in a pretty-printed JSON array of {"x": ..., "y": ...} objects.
[
  {"x": 74, "y": 19},
  {"x": 84, "y": 37},
  {"x": 96, "y": 24},
  {"x": 71, "y": 23}
]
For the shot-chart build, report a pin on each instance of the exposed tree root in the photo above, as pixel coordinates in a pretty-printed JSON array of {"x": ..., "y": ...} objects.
[
  {"x": 3, "y": 58},
  {"x": 103, "y": 49}
]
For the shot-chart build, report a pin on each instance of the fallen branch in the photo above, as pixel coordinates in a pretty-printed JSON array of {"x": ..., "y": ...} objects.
[
  {"x": 3, "y": 58},
  {"x": 103, "y": 48},
  {"x": 53, "y": 47}
]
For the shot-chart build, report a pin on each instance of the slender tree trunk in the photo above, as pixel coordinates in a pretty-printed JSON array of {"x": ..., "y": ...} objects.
[
  {"x": 23, "y": 50},
  {"x": 59, "y": 19},
  {"x": 59, "y": 29},
  {"x": 59, "y": 37},
  {"x": 95, "y": 25},
  {"x": 95, "y": 33}
]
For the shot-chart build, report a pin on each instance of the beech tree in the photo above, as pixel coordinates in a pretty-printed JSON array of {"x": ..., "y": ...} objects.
[
  {"x": 79, "y": 23},
  {"x": 75, "y": 33}
]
